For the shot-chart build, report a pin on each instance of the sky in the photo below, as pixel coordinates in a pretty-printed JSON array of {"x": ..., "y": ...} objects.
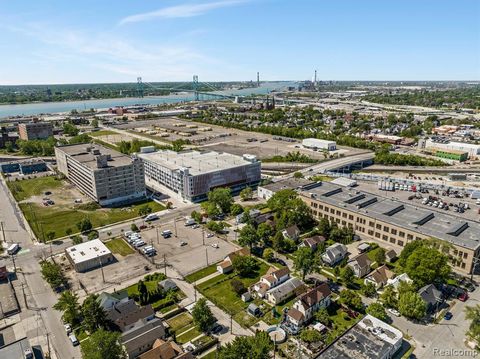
[{"x": 94, "y": 41}]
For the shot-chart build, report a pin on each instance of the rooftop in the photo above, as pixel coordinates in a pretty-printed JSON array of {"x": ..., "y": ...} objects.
[
  {"x": 87, "y": 154},
  {"x": 88, "y": 250},
  {"x": 426, "y": 221},
  {"x": 368, "y": 339},
  {"x": 288, "y": 183},
  {"x": 197, "y": 162}
]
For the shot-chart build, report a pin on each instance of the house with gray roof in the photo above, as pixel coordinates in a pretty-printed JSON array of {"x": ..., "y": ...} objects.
[
  {"x": 284, "y": 291},
  {"x": 334, "y": 254}
]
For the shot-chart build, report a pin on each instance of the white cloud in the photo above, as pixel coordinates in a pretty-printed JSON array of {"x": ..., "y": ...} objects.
[{"x": 180, "y": 11}]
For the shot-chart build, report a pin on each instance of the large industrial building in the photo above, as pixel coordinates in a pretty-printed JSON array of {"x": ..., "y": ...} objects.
[
  {"x": 89, "y": 255},
  {"x": 192, "y": 174},
  {"x": 370, "y": 338},
  {"x": 472, "y": 149},
  {"x": 35, "y": 130},
  {"x": 317, "y": 144},
  {"x": 107, "y": 176},
  {"x": 396, "y": 222}
]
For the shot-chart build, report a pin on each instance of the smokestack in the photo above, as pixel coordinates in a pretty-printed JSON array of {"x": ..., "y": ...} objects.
[
  {"x": 315, "y": 78},
  {"x": 258, "y": 79}
]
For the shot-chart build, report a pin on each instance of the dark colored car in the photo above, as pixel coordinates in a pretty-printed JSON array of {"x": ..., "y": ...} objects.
[
  {"x": 448, "y": 316},
  {"x": 463, "y": 297}
]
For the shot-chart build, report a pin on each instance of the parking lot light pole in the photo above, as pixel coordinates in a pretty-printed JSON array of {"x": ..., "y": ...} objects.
[
  {"x": 203, "y": 235},
  {"x": 175, "y": 225},
  {"x": 101, "y": 267},
  {"x": 206, "y": 255},
  {"x": 158, "y": 239}
]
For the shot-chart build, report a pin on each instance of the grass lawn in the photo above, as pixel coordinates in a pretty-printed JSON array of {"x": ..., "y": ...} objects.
[
  {"x": 24, "y": 189},
  {"x": 270, "y": 319},
  {"x": 180, "y": 321},
  {"x": 341, "y": 322},
  {"x": 188, "y": 336},
  {"x": 201, "y": 273},
  {"x": 211, "y": 355},
  {"x": 220, "y": 292},
  {"x": 119, "y": 246},
  {"x": 60, "y": 218},
  {"x": 168, "y": 309},
  {"x": 102, "y": 133}
]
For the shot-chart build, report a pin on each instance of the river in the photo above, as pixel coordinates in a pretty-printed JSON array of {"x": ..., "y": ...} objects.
[{"x": 67, "y": 106}]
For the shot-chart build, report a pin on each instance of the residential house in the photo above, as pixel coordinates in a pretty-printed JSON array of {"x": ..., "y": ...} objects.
[
  {"x": 271, "y": 279},
  {"x": 307, "y": 304},
  {"x": 334, "y": 254},
  {"x": 313, "y": 242},
  {"x": 167, "y": 284},
  {"x": 360, "y": 265},
  {"x": 380, "y": 276},
  {"x": 284, "y": 291},
  {"x": 226, "y": 266},
  {"x": 291, "y": 232},
  {"x": 166, "y": 350},
  {"x": 390, "y": 255},
  {"x": 108, "y": 300},
  {"x": 432, "y": 297},
  {"x": 126, "y": 313},
  {"x": 141, "y": 337},
  {"x": 395, "y": 282}
]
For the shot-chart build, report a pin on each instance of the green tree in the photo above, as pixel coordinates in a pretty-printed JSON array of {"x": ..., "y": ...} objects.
[
  {"x": 278, "y": 242},
  {"x": 77, "y": 240},
  {"x": 324, "y": 227},
  {"x": 304, "y": 261},
  {"x": 216, "y": 227},
  {"x": 347, "y": 275},
  {"x": 68, "y": 304},
  {"x": 389, "y": 297},
  {"x": 264, "y": 231},
  {"x": 94, "y": 316},
  {"x": 268, "y": 254},
  {"x": 409, "y": 248},
  {"x": 411, "y": 305},
  {"x": 323, "y": 317},
  {"x": 103, "y": 344},
  {"x": 221, "y": 198},
  {"x": 298, "y": 175},
  {"x": 245, "y": 266},
  {"x": 52, "y": 273},
  {"x": 202, "y": 315},
  {"x": 369, "y": 290},
  {"x": 50, "y": 236},
  {"x": 84, "y": 225},
  {"x": 310, "y": 336},
  {"x": 236, "y": 209},
  {"x": 251, "y": 347},
  {"x": 378, "y": 311},
  {"x": 70, "y": 129},
  {"x": 238, "y": 286},
  {"x": 94, "y": 123},
  {"x": 248, "y": 236},
  {"x": 144, "y": 210},
  {"x": 133, "y": 227},
  {"x": 246, "y": 194},
  {"x": 379, "y": 256},
  {"x": 427, "y": 265},
  {"x": 351, "y": 299},
  {"x": 473, "y": 315},
  {"x": 9, "y": 146},
  {"x": 142, "y": 292}
]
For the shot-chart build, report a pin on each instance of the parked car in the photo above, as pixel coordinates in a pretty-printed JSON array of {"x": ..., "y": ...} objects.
[
  {"x": 448, "y": 316},
  {"x": 73, "y": 339},
  {"x": 183, "y": 243},
  {"x": 215, "y": 245},
  {"x": 394, "y": 312},
  {"x": 209, "y": 235},
  {"x": 68, "y": 328},
  {"x": 463, "y": 297}
]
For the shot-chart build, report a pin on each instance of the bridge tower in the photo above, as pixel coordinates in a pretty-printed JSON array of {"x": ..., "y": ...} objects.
[
  {"x": 139, "y": 87},
  {"x": 195, "y": 87}
]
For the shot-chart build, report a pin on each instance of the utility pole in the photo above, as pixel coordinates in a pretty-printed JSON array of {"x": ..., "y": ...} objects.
[
  {"x": 101, "y": 267},
  {"x": 14, "y": 265},
  {"x": 203, "y": 236},
  {"x": 24, "y": 295},
  {"x": 48, "y": 344},
  {"x": 3, "y": 232},
  {"x": 158, "y": 239},
  {"x": 175, "y": 225},
  {"x": 165, "y": 264},
  {"x": 206, "y": 254},
  {"x": 231, "y": 324},
  {"x": 195, "y": 290}
]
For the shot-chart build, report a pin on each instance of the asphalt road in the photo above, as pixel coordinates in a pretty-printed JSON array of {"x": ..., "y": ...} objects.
[{"x": 39, "y": 296}]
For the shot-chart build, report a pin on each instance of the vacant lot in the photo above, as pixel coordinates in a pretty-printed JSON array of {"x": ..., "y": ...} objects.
[
  {"x": 102, "y": 133},
  {"x": 119, "y": 246},
  {"x": 61, "y": 218},
  {"x": 201, "y": 273}
]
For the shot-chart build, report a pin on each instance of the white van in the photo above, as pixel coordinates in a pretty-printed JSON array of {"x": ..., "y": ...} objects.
[
  {"x": 190, "y": 222},
  {"x": 151, "y": 217},
  {"x": 73, "y": 339},
  {"x": 127, "y": 234},
  {"x": 13, "y": 249},
  {"x": 166, "y": 233}
]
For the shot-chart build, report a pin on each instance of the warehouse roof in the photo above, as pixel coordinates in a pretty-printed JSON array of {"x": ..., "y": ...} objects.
[
  {"x": 195, "y": 161},
  {"x": 87, "y": 154},
  {"x": 287, "y": 183},
  {"x": 426, "y": 221},
  {"x": 88, "y": 250}
]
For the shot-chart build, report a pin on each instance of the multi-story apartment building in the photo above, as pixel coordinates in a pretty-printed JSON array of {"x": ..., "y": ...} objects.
[
  {"x": 392, "y": 221},
  {"x": 35, "y": 130},
  {"x": 106, "y": 176},
  {"x": 192, "y": 174}
]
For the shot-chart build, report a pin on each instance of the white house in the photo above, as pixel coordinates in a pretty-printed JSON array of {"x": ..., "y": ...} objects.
[
  {"x": 395, "y": 282},
  {"x": 284, "y": 291},
  {"x": 334, "y": 254},
  {"x": 271, "y": 279},
  {"x": 360, "y": 265}
]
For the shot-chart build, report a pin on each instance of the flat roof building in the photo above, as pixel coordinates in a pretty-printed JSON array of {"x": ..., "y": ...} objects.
[
  {"x": 317, "y": 144},
  {"x": 393, "y": 221},
  {"x": 370, "y": 338},
  {"x": 268, "y": 190},
  {"x": 107, "y": 176},
  {"x": 89, "y": 255},
  {"x": 472, "y": 149},
  {"x": 192, "y": 174},
  {"x": 35, "y": 130}
]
